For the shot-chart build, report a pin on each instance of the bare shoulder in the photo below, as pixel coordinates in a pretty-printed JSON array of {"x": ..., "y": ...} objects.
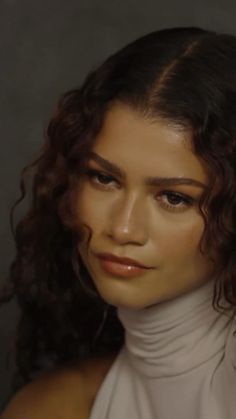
[
  {"x": 93, "y": 372},
  {"x": 47, "y": 397},
  {"x": 66, "y": 393}
]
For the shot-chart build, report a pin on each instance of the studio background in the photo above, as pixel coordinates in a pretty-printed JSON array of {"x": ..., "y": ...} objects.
[{"x": 47, "y": 48}]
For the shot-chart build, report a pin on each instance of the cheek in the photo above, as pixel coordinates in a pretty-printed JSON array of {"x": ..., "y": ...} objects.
[
  {"x": 181, "y": 240},
  {"x": 194, "y": 235},
  {"x": 90, "y": 209}
]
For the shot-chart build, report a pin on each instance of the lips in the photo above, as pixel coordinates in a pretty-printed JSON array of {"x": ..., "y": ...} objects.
[
  {"x": 121, "y": 267},
  {"x": 122, "y": 260}
]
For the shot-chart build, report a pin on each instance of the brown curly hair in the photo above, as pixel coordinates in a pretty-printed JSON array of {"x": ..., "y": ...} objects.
[{"x": 185, "y": 75}]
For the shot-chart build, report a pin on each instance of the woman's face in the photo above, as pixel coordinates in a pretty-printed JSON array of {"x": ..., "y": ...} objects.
[{"x": 139, "y": 199}]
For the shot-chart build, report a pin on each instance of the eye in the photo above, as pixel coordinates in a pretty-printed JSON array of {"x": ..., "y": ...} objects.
[
  {"x": 175, "y": 201},
  {"x": 100, "y": 178}
]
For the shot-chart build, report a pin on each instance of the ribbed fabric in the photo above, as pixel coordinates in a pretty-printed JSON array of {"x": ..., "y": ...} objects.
[{"x": 178, "y": 362}]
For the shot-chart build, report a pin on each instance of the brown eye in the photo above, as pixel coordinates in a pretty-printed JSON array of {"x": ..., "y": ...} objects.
[
  {"x": 104, "y": 179},
  {"x": 174, "y": 201},
  {"x": 100, "y": 178}
]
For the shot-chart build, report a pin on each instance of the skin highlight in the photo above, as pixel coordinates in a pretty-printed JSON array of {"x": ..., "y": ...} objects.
[{"x": 158, "y": 225}]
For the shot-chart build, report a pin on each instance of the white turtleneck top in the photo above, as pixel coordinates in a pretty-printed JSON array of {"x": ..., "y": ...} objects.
[{"x": 178, "y": 362}]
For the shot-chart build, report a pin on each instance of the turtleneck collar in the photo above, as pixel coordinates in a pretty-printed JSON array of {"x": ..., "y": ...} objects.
[{"x": 174, "y": 337}]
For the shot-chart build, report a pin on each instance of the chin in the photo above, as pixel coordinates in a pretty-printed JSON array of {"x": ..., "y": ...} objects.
[{"x": 120, "y": 297}]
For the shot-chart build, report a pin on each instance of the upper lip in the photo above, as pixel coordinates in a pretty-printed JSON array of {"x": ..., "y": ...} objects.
[{"x": 122, "y": 260}]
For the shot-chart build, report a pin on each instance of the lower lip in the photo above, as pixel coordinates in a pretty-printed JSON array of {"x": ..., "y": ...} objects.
[{"x": 121, "y": 270}]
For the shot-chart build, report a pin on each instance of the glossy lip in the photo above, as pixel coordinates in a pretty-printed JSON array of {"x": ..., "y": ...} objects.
[{"x": 121, "y": 260}]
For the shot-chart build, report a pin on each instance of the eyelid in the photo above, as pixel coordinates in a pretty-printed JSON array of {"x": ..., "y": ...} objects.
[
  {"x": 177, "y": 193},
  {"x": 91, "y": 172}
]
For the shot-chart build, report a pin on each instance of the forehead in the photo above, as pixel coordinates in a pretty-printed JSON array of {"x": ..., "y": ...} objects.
[{"x": 140, "y": 145}]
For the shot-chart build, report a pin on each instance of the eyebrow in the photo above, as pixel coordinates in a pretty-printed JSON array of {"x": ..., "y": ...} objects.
[{"x": 149, "y": 181}]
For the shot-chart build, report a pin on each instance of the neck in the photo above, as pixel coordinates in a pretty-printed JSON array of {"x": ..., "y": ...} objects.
[{"x": 174, "y": 337}]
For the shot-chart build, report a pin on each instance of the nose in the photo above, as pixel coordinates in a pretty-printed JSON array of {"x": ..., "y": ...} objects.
[{"x": 128, "y": 222}]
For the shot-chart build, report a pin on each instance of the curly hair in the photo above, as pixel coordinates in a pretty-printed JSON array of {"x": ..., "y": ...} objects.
[{"x": 184, "y": 75}]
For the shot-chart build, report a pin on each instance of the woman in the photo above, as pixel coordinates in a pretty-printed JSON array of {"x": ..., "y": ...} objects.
[{"x": 125, "y": 264}]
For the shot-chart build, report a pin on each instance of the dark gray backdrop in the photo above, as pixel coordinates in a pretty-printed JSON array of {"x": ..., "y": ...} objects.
[{"x": 47, "y": 47}]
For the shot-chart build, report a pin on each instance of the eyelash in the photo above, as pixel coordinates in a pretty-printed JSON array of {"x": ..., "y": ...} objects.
[{"x": 98, "y": 178}]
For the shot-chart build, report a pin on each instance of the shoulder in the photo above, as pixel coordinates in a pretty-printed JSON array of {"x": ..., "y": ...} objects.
[
  {"x": 93, "y": 372},
  {"x": 46, "y": 397},
  {"x": 66, "y": 393}
]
